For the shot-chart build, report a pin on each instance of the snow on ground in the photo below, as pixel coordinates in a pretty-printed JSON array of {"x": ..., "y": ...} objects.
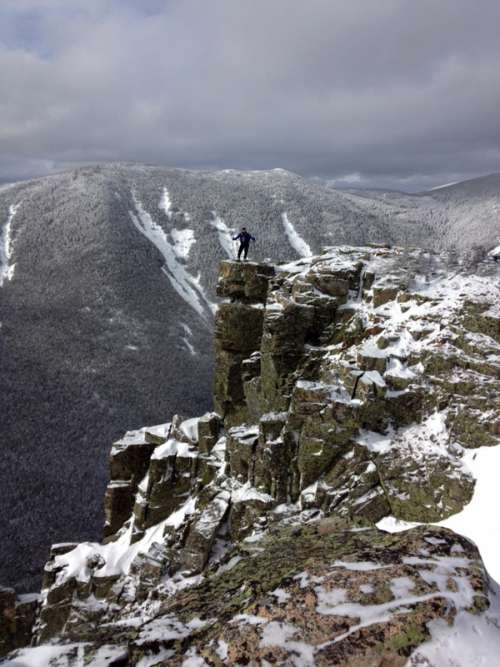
[
  {"x": 225, "y": 235},
  {"x": 444, "y": 570},
  {"x": 375, "y": 442},
  {"x": 116, "y": 557},
  {"x": 479, "y": 520},
  {"x": 472, "y": 641},
  {"x": 138, "y": 436},
  {"x": 6, "y": 268},
  {"x": 166, "y": 204},
  {"x": 64, "y": 655},
  {"x": 213, "y": 306},
  {"x": 181, "y": 280},
  {"x": 461, "y": 645},
  {"x": 295, "y": 240},
  {"x": 183, "y": 240},
  {"x": 495, "y": 252},
  {"x": 287, "y": 636}
]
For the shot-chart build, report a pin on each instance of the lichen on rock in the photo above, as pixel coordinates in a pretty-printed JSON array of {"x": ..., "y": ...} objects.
[{"x": 347, "y": 388}]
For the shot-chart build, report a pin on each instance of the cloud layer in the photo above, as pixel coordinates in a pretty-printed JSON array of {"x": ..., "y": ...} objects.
[{"x": 393, "y": 93}]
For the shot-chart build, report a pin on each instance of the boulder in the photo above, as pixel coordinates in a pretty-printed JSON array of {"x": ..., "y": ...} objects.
[
  {"x": 128, "y": 463},
  {"x": 202, "y": 532},
  {"x": 209, "y": 427},
  {"x": 326, "y": 597}
]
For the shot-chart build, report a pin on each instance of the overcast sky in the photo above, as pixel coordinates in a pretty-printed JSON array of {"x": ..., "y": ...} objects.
[{"x": 387, "y": 93}]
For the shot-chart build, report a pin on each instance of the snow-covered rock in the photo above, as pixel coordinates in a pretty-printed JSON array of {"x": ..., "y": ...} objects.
[{"x": 347, "y": 398}]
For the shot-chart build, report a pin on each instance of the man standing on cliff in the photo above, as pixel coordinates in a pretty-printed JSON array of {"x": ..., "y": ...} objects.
[{"x": 244, "y": 238}]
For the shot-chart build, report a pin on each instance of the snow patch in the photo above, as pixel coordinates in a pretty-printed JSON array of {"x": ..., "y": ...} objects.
[
  {"x": 278, "y": 633},
  {"x": 295, "y": 240},
  {"x": 479, "y": 520},
  {"x": 6, "y": 268},
  {"x": 116, "y": 556},
  {"x": 225, "y": 235},
  {"x": 183, "y": 240},
  {"x": 471, "y": 641},
  {"x": 186, "y": 286},
  {"x": 63, "y": 655},
  {"x": 166, "y": 204}
]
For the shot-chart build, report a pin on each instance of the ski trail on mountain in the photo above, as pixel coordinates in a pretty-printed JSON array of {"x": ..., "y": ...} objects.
[
  {"x": 295, "y": 240},
  {"x": 166, "y": 204},
  {"x": 183, "y": 238},
  {"x": 6, "y": 268},
  {"x": 185, "y": 285},
  {"x": 224, "y": 233}
]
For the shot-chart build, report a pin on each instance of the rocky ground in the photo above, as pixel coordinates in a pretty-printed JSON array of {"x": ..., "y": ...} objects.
[{"x": 353, "y": 391}]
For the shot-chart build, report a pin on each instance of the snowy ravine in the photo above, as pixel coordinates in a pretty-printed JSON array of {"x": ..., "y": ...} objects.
[
  {"x": 295, "y": 240},
  {"x": 182, "y": 281},
  {"x": 224, "y": 233},
  {"x": 6, "y": 268}
]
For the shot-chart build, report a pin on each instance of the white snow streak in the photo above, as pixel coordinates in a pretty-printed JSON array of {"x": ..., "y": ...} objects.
[
  {"x": 6, "y": 268},
  {"x": 224, "y": 233},
  {"x": 166, "y": 204},
  {"x": 183, "y": 238},
  {"x": 296, "y": 241},
  {"x": 184, "y": 284},
  {"x": 445, "y": 185},
  {"x": 495, "y": 252},
  {"x": 185, "y": 339}
]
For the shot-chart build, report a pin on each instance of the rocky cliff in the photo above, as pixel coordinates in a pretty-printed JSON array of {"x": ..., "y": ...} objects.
[
  {"x": 107, "y": 286},
  {"x": 350, "y": 390}
]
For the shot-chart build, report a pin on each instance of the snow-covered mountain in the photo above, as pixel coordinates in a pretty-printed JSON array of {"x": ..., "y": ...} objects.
[{"x": 107, "y": 294}]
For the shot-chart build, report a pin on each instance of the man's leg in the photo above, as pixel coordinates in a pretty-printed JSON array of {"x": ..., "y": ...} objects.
[
  {"x": 240, "y": 250},
  {"x": 245, "y": 251}
]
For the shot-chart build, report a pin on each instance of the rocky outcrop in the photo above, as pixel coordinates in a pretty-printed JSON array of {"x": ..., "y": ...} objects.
[
  {"x": 17, "y": 619},
  {"x": 347, "y": 388},
  {"x": 320, "y": 595},
  {"x": 238, "y": 333}
]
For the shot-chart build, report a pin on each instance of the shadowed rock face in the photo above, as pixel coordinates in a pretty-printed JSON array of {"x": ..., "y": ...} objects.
[{"x": 250, "y": 534}]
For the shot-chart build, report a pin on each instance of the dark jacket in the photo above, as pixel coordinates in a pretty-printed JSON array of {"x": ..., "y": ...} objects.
[{"x": 244, "y": 238}]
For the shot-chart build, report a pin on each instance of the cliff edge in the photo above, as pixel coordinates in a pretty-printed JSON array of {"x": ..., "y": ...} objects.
[{"x": 355, "y": 393}]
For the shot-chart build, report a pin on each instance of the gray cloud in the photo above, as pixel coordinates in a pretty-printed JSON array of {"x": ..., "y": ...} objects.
[{"x": 393, "y": 93}]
